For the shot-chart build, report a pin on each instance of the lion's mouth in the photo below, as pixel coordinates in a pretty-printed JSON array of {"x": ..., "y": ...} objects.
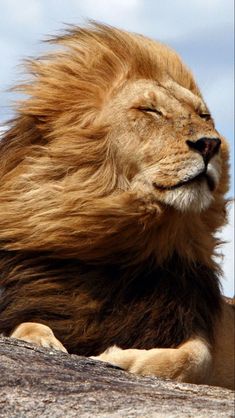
[{"x": 203, "y": 176}]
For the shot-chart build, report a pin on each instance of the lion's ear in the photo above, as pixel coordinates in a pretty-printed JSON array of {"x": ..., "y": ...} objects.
[{"x": 17, "y": 142}]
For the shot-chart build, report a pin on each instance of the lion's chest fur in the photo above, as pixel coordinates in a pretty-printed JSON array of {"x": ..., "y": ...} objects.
[{"x": 91, "y": 308}]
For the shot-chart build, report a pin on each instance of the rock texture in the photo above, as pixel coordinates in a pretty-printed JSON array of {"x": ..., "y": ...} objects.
[{"x": 37, "y": 382}]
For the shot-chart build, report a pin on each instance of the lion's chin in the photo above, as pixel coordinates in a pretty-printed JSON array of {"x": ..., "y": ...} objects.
[{"x": 189, "y": 197}]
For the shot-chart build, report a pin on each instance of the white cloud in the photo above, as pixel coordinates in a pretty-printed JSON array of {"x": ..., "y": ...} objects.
[
  {"x": 23, "y": 12},
  {"x": 219, "y": 95},
  {"x": 121, "y": 13},
  {"x": 177, "y": 20},
  {"x": 169, "y": 20},
  {"x": 227, "y": 249},
  {"x": 109, "y": 5},
  {"x": 166, "y": 20}
]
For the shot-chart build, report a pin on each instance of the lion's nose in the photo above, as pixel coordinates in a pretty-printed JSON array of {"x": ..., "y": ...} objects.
[{"x": 207, "y": 147}]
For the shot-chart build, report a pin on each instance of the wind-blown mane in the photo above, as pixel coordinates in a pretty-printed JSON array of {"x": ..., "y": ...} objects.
[
  {"x": 72, "y": 235},
  {"x": 58, "y": 142}
]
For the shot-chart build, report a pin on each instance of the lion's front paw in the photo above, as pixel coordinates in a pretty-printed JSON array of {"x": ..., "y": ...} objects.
[
  {"x": 190, "y": 362},
  {"x": 38, "y": 334},
  {"x": 118, "y": 357}
]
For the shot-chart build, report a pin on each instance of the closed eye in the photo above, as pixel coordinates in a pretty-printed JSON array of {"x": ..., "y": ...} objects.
[
  {"x": 151, "y": 110},
  {"x": 205, "y": 116}
]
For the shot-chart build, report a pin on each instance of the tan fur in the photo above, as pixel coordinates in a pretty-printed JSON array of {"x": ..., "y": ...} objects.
[
  {"x": 90, "y": 203},
  {"x": 38, "y": 334},
  {"x": 192, "y": 362}
]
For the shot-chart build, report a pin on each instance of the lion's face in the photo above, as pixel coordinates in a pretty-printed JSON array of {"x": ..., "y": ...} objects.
[{"x": 166, "y": 143}]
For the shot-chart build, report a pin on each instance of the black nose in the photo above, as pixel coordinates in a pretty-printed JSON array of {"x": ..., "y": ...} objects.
[{"x": 207, "y": 147}]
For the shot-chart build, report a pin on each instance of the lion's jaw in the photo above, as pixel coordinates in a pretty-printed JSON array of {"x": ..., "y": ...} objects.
[
  {"x": 193, "y": 194},
  {"x": 155, "y": 123}
]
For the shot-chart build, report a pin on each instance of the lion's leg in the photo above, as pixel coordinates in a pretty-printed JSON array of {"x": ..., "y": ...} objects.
[
  {"x": 37, "y": 334},
  {"x": 190, "y": 362}
]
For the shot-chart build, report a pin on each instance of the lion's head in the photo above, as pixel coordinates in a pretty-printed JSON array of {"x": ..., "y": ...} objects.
[
  {"x": 114, "y": 142},
  {"x": 165, "y": 142}
]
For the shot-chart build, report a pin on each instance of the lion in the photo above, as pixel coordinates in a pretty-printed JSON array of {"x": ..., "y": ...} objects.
[{"x": 113, "y": 183}]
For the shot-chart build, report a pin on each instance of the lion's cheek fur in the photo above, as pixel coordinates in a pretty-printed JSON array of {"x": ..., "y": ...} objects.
[
  {"x": 91, "y": 229},
  {"x": 129, "y": 227}
]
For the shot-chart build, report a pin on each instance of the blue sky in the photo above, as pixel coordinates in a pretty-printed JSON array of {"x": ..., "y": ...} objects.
[{"x": 200, "y": 30}]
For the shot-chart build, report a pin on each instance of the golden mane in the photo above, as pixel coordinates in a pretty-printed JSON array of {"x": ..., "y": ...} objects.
[
  {"x": 80, "y": 250},
  {"x": 70, "y": 86},
  {"x": 59, "y": 142}
]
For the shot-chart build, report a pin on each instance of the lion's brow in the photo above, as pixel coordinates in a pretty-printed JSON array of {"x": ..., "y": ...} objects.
[{"x": 181, "y": 94}]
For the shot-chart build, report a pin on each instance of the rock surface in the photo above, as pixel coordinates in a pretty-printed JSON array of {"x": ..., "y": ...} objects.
[{"x": 37, "y": 382}]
